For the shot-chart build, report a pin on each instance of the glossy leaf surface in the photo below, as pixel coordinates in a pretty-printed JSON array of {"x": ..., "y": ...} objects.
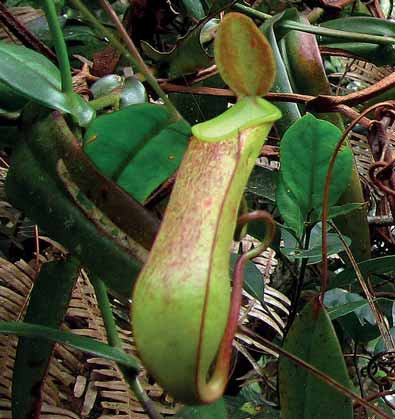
[
  {"x": 138, "y": 147},
  {"x": 377, "y": 54},
  {"x": 313, "y": 339},
  {"x": 305, "y": 152},
  {"x": 35, "y": 77},
  {"x": 47, "y": 306}
]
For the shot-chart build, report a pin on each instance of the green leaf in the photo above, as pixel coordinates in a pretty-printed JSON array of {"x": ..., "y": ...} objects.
[
  {"x": 35, "y": 77},
  {"x": 44, "y": 199},
  {"x": 305, "y": 152},
  {"x": 243, "y": 56},
  {"x": 138, "y": 147},
  {"x": 337, "y": 210},
  {"x": 52, "y": 290},
  {"x": 313, "y": 339},
  {"x": 10, "y": 100},
  {"x": 81, "y": 343},
  {"x": 194, "y": 9},
  {"x": 253, "y": 280},
  {"x": 377, "y": 54},
  {"x": 381, "y": 265},
  {"x": 249, "y": 404},
  {"x": 263, "y": 183},
  {"x": 186, "y": 57},
  {"x": 289, "y": 208},
  {"x": 314, "y": 252},
  {"x": 216, "y": 410},
  {"x": 359, "y": 323}
]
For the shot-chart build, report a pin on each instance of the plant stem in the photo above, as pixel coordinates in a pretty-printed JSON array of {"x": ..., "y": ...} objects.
[
  {"x": 131, "y": 52},
  {"x": 106, "y": 312},
  {"x": 317, "y": 30},
  {"x": 115, "y": 341},
  {"x": 105, "y": 101},
  {"x": 299, "y": 284},
  {"x": 60, "y": 45}
]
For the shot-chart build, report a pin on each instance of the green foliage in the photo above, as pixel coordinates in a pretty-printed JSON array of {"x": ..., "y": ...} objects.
[
  {"x": 216, "y": 410},
  {"x": 52, "y": 290},
  {"x": 83, "y": 181},
  {"x": 36, "y": 78},
  {"x": 127, "y": 159},
  {"x": 81, "y": 343},
  {"x": 377, "y": 54},
  {"x": 305, "y": 152},
  {"x": 313, "y": 339}
]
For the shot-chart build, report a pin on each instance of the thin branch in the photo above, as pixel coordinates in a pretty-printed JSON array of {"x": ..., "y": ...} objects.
[
  {"x": 20, "y": 31},
  {"x": 320, "y": 375}
]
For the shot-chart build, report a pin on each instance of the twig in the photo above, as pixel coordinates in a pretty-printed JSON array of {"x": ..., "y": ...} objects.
[{"x": 18, "y": 29}]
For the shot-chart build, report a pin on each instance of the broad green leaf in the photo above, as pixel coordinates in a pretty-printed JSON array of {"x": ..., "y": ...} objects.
[
  {"x": 186, "y": 57},
  {"x": 381, "y": 265},
  {"x": 47, "y": 306},
  {"x": 337, "y": 210},
  {"x": 305, "y": 152},
  {"x": 359, "y": 323},
  {"x": 10, "y": 100},
  {"x": 344, "y": 309},
  {"x": 81, "y": 343},
  {"x": 377, "y": 54},
  {"x": 313, "y": 339},
  {"x": 216, "y": 410},
  {"x": 35, "y": 77},
  {"x": 138, "y": 147},
  {"x": 243, "y": 56},
  {"x": 194, "y": 8},
  {"x": 253, "y": 280},
  {"x": 263, "y": 183},
  {"x": 305, "y": 68},
  {"x": 314, "y": 252},
  {"x": 289, "y": 208},
  {"x": 44, "y": 199}
]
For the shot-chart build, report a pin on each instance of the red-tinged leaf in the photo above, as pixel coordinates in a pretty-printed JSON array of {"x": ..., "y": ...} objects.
[{"x": 243, "y": 56}]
